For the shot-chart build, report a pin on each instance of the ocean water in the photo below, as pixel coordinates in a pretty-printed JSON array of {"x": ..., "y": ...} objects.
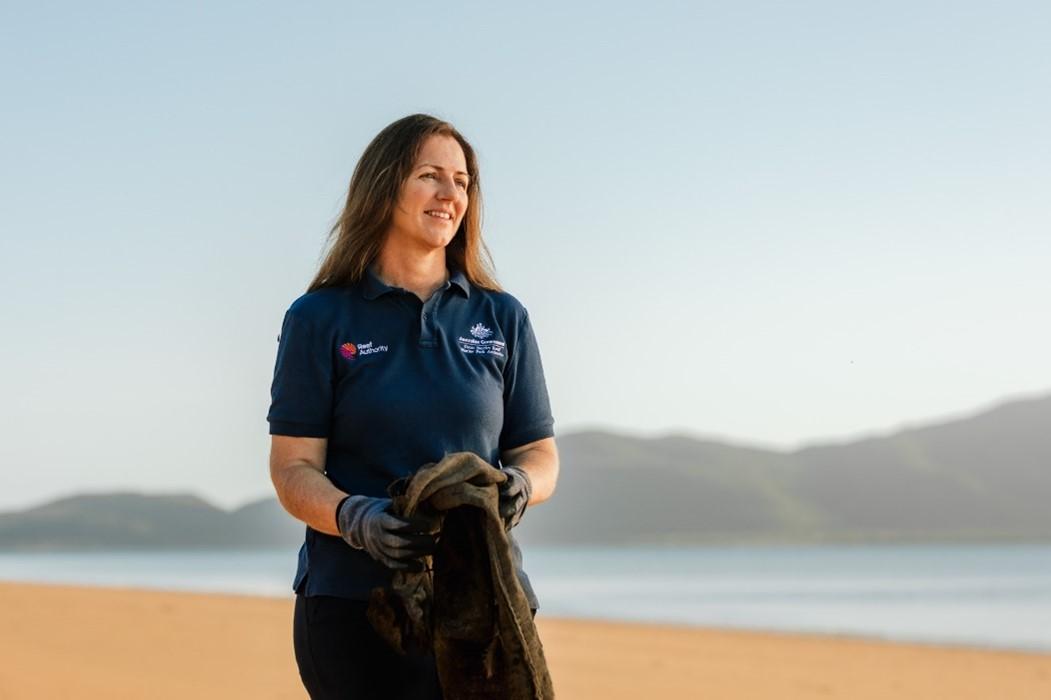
[{"x": 983, "y": 596}]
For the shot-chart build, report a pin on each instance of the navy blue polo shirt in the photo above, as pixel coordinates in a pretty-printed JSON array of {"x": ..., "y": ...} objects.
[{"x": 394, "y": 383}]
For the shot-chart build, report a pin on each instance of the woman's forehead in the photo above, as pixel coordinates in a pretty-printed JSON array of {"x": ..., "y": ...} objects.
[{"x": 442, "y": 152}]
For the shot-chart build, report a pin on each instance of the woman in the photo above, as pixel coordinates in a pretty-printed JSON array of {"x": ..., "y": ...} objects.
[{"x": 404, "y": 348}]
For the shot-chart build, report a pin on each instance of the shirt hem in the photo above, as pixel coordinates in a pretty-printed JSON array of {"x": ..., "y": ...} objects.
[
  {"x": 524, "y": 437},
  {"x": 280, "y": 427}
]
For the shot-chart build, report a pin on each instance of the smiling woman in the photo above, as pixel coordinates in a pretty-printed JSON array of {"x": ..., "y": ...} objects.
[
  {"x": 388, "y": 183},
  {"x": 432, "y": 201},
  {"x": 403, "y": 349}
]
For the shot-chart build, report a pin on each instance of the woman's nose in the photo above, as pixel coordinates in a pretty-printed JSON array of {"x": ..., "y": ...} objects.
[{"x": 447, "y": 190}]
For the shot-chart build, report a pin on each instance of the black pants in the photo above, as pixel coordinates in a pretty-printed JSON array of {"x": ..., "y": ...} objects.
[{"x": 341, "y": 657}]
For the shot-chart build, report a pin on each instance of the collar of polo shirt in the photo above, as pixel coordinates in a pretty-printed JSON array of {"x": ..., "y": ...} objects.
[{"x": 373, "y": 287}]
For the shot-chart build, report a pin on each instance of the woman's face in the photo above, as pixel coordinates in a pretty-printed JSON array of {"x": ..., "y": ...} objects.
[{"x": 433, "y": 199}]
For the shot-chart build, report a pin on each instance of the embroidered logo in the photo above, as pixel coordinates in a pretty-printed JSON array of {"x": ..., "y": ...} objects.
[
  {"x": 480, "y": 343},
  {"x": 352, "y": 350}
]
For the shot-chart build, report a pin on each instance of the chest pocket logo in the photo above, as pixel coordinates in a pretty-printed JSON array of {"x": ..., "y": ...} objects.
[
  {"x": 352, "y": 351},
  {"x": 480, "y": 342}
]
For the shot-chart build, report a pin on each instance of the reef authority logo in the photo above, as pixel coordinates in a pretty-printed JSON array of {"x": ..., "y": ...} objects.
[
  {"x": 481, "y": 332},
  {"x": 351, "y": 350}
]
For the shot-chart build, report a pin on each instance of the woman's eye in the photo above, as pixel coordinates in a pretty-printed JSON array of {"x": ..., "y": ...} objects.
[{"x": 461, "y": 183}]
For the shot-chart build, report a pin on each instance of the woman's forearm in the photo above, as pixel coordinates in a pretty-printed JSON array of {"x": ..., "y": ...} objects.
[
  {"x": 308, "y": 495},
  {"x": 542, "y": 466}
]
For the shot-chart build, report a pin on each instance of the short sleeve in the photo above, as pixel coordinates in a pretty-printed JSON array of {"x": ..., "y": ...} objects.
[
  {"x": 527, "y": 408},
  {"x": 301, "y": 393}
]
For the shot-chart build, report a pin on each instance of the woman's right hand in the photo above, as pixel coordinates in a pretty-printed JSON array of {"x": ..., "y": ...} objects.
[{"x": 398, "y": 543}]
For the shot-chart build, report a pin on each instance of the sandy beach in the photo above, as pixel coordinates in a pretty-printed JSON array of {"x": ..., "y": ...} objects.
[{"x": 81, "y": 642}]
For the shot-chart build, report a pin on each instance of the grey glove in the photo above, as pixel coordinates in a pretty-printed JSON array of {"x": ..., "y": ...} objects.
[
  {"x": 398, "y": 543},
  {"x": 514, "y": 495}
]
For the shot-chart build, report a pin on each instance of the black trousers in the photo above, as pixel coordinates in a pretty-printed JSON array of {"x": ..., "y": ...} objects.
[{"x": 341, "y": 657}]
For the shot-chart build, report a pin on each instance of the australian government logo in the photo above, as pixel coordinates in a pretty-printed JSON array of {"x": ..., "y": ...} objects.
[
  {"x": 354, "y": 350},
  {"x": 480, "y": 342}
]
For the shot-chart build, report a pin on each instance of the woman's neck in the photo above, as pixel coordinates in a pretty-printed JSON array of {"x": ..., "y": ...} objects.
[{"x": 420, "y": 274}]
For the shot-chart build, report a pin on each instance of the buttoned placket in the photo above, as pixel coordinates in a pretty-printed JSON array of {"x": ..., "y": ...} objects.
[
  {"x": 425, "y": 311},
  {"x": 428, "y": 318}
]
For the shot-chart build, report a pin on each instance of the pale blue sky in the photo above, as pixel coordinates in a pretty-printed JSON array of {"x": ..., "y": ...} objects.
[{"x": 769, "y": 222}]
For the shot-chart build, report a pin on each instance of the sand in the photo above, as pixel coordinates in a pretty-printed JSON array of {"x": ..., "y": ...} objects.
[{"x": 82, "y": 642}]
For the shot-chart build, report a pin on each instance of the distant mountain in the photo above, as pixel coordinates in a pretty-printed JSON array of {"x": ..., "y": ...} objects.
[
  {"x": 139, "y": 521},
  {"x": 985, "y": 478}
]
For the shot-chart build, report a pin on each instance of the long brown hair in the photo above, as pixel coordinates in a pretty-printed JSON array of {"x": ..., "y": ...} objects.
[{"x": 357, "y": 236}]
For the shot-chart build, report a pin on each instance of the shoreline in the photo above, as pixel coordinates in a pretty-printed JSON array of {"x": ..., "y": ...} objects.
[
  {"x": 90, "y": 642},
  {"x": 683, "y": 626}
]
